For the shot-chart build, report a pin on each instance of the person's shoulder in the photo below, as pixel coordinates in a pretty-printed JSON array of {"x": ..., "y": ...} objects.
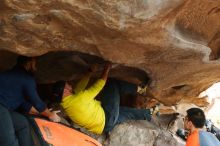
[
  {"x": 28, "y": 77},
  {"x": 22, "y": 74},
  {"x": 13, "y": 72},
  {"x": 193, "y": 139},
  {"x": 194, "y": 135}
]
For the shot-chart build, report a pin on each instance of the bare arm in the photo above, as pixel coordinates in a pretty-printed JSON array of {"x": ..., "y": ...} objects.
[
  {"x": 106, "y": 71},
  {"x": 82, "y": 84},
  {"x": 33, "y": 111},
  {"x": 94, "y": 89},
  {"x": 51, "y": 115}
]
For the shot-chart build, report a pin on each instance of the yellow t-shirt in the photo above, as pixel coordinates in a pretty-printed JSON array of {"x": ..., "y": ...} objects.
[{"x": 83, "y": 109}]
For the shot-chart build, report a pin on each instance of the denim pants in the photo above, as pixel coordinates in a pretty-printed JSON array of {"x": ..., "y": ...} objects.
[
  {"x": 114, "y": 113},
  {"x": 14, "y": 129}
]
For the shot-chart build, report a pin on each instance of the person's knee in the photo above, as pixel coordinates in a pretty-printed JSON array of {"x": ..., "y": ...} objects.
[
  {"x": 5, "y": 115},
  {"x": 25, "y": 124},
  {"x": 20, "y": 122},
  {"x": 3, "y": 111},
  {"x": 7, "y": 135}
]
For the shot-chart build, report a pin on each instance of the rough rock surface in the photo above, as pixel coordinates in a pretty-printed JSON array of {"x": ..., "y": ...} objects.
[
  {"x": 176, "y": 43},
  {"x": 139, "y": 133}
]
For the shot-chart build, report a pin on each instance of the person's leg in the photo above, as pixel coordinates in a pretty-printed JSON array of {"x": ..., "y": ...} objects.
[
  {"x": 7, "y": 131},
  {"x": 22, "y": 129},
  {"x": 126, "y": 113},
  {"x": 110, "y": 100}
]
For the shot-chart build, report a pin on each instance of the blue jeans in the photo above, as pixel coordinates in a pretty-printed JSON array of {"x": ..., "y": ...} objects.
[
  {"x": 114, "y": 113},
  {"x": 14, "y": 129}
]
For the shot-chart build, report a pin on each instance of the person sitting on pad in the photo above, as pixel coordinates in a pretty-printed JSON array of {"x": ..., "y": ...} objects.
[{"x": 18, "y": 91}]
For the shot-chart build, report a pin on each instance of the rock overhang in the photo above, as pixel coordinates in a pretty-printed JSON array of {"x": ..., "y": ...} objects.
[{"x": 175, "y": 43}]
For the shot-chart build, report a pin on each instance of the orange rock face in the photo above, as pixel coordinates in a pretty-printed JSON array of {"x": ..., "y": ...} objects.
[{"x": 175, "y": 43}]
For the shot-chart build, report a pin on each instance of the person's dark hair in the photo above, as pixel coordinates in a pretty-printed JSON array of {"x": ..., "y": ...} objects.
[
  {"x": 23, "y": 60},
  {"x": 57, "y": 91},
  {"x": 196, "y": 116}
]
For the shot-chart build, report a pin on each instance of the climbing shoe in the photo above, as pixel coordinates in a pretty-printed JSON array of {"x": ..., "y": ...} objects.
[{"x": 155, "y": 110}]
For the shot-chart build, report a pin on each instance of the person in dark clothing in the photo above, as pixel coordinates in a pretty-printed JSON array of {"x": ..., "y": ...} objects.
[{"x": 18, "y": 91}]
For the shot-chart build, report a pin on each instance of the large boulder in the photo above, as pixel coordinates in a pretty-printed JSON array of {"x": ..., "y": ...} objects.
[{"x": 140, "y": 133}]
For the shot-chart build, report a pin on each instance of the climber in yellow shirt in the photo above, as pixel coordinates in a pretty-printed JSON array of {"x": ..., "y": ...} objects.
[{"x": 98, "y": 116}]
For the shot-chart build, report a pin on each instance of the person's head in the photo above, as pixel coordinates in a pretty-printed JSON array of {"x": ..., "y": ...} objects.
[
  {"x": 195, "y": 118},
  {"x": 61, "y": 89},
  {"x": 28, "y": 63}
]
